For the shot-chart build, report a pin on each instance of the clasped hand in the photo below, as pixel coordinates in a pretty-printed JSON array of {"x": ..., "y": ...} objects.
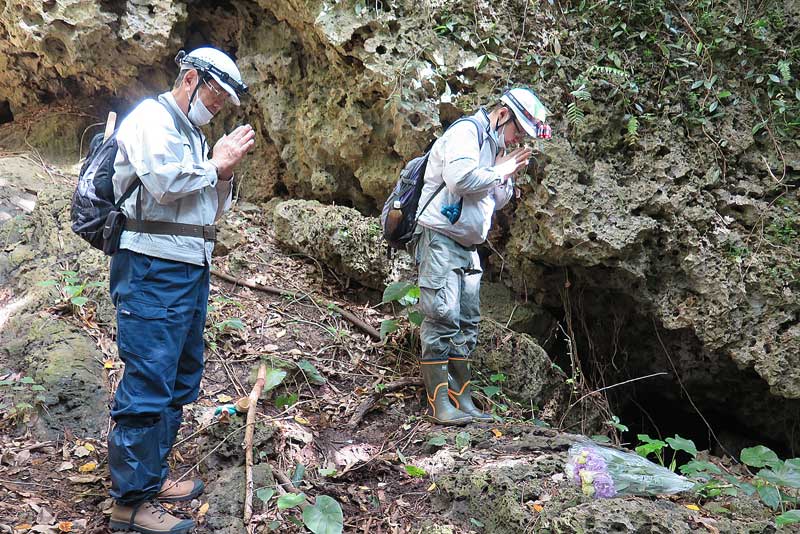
[
  {"x": 231, "y": 148},
  {"x": 520, "y": 155}
]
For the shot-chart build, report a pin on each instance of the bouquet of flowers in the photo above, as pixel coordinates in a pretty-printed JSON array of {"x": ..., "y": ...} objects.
[{"x": 603, "y": 473}]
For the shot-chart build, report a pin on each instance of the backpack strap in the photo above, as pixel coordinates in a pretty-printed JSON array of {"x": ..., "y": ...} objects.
[
  {"x": 481, "y": 138},
  {"x": 138, "y": 182}
]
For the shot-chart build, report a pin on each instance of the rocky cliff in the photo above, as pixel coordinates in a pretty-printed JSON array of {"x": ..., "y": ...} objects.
[{"x": 660, "y": 225}]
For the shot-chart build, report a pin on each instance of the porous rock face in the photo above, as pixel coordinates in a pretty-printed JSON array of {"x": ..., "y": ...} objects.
[
  {"x": 686, "y": 230},
  {"x": 55, "y": 49}
]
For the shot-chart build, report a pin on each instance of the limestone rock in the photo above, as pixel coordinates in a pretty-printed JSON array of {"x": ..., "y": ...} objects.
[
  {"x": 341, "y": 238},
  {"x": 498, "y": 303}
]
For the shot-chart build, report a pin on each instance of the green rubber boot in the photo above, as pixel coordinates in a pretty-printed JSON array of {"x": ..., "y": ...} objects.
[
  {"x": 434, "y": 374},
  {"x": 460, "y": 393}
]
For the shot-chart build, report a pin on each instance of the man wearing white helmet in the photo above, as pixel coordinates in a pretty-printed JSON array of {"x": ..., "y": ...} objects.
[
  {"x": 172, "y": 194},
  {"x": 469, "y": 176}
]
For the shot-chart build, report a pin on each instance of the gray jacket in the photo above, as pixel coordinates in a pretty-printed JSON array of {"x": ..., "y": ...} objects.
[
  {"x": 468, "y": 171},
  {"x": 180, "y": 185}
]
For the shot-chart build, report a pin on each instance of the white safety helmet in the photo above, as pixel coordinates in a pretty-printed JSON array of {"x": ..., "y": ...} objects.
[
  {"x": 215, "y": 63},
  {"x": 528, "y": 110}
]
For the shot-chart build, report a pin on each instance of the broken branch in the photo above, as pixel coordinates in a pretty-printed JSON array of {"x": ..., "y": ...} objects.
[
  {"x": 255, "y": 394},
  {"x": 366, "y": 328}
]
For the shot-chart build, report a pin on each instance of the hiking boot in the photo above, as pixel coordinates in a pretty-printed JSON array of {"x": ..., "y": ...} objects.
[
  {"x": 434, "y": 374},
  {"x": 185, "y": 490},
  {"x": 459, "y": 376},
  {"x": 148, "y": 518}
]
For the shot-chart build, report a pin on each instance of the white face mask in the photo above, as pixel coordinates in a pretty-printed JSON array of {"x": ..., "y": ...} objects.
[
  {"x": 198, "y": 113},
  {"x": 500, "y": 138}
]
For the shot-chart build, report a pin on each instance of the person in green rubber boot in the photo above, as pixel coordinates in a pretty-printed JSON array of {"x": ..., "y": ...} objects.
[{"x": 469, "y": 176}]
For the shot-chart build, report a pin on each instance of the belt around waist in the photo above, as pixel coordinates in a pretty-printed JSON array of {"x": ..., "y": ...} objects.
[{"x": 206, "y": 232}]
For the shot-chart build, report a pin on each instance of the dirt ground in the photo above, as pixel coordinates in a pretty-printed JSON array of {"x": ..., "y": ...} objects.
[{"x": 316, "y": 415}]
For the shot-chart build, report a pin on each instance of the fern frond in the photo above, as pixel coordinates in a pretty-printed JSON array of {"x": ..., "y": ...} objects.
[
  {"x": 575, "y": 114},
  {"x": 581, "y": 94},
  {"x": 784, "y": 68},
  {"x": 632, "y": 134},
  {"x": 608, "y": 71}
]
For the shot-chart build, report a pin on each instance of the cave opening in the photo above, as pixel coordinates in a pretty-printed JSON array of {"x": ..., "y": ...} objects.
[
  {"x": 6, "y": 115},
  {"x": 697, "y": 394}
]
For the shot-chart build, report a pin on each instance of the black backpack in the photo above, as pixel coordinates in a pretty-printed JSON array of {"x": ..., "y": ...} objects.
[
  {"x": 407, "y": 192},
  {"x": 96, "y": 217}
]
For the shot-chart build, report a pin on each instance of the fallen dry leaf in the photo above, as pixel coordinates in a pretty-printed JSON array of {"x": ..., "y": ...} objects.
[
  {"x": 23, "y": 527},
  {"x": 224, "y": 398},
  {"x": 89, "y": 447},
  {"x": 108, "y": 364},
  {"x": 203, "y": 509},
  {"x": 81, "y": 452},
  {"x": 88, "y": 467},
  {"x": 65, "y": 526},
  {"x": 65, "y": 466},
  {"x": 496, "y": 433},
  {"x": 693, "y": 507}
]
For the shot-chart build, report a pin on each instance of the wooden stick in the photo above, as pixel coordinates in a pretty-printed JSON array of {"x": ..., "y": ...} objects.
[
  {"x": 111, "y": 122},
  {"x": 320, "y": 302},
  {"x": 248, "y": 444},
  {"x": 367, "y": 404}
]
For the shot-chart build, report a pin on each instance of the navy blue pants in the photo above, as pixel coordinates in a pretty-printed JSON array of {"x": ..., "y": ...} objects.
[{"x": 161, "y": 313}]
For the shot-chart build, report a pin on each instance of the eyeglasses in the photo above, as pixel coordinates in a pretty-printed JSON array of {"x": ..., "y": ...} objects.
[{"x": 219, "y": 96}]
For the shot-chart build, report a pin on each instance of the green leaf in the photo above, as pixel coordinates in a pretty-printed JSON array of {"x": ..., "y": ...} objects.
[
  {"x": 787, "y": 518},
  {"x": 482, "y": 61},
  {"x": 79, "y": 301},
  {"x": 396, "y": 291},
  {"x": 273, "y": 379},
  {"x": 290, "y": 500},
  {"x": 681, "y": 444},
  {"x": 724, "y": 94},
  {"x": 475, "y": 522},
  {"x": 410, "y": 298},
  {"x": 463, "y": 439},
  {"x": 299, "y": 473},
  {"x": 696, "y": 84},
  {"x": 713, "y": 106},
  {"x": 498, "y": 377},
  {"x": 388, "y": 326},
  {"x": 47, "y": 283},
  {"x": 415, "y": 471},
  {"x": 770, "y": 496},
  {"x": 284, "y": 401},
  {"x": 600, "y": 438},
  {"x": 327, "y": 472},
  {"x": 437, "y": 441},
  {"x": 491, "y": 391},
  {"x": 37, "y": 387},
  {"x": 68, "y": 273},
  {"x": 699, "y": 48},
  {"x": 698, "y": 466},
  {"x": 324, "y": 517},
  {"x": 73, "y": 291},
  {"x": 786, "y": 475},
  {"x": 265, "y": 494},
  {"x": 774, "y": 78},
  {"x": 26, "y": 380},
  {"x": 311, "y": 372},
  {"x": 759, "y": 456},
  {"x": 235, "y": 324},
  {"x": 415, "y": 317}
]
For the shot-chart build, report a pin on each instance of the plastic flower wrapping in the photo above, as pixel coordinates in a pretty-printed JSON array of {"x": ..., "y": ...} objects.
[{"x": 603, "y": 473}]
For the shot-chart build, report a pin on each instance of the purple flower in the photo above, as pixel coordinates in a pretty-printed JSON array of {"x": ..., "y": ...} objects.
[{"x": 604, "y": 486}]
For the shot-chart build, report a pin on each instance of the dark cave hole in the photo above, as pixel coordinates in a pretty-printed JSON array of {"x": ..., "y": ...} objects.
[
  {"x": 659, "y": 406},
  {"x": 381, "y": 49},
  {"x": 5, "y": 112}
]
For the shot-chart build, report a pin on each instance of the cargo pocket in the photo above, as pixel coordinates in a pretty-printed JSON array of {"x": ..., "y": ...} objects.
[
  {"x": 435, "y": 299},
  {"x": 141, "y": 327}
]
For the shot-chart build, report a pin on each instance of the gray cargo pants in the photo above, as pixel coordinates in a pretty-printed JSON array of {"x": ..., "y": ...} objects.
[{"x": 449, "y": 281}]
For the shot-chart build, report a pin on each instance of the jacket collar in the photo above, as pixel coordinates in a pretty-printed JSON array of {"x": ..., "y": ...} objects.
[
  {"x": 180, "y": 118},
  {"x": 483, "y": 117}
]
